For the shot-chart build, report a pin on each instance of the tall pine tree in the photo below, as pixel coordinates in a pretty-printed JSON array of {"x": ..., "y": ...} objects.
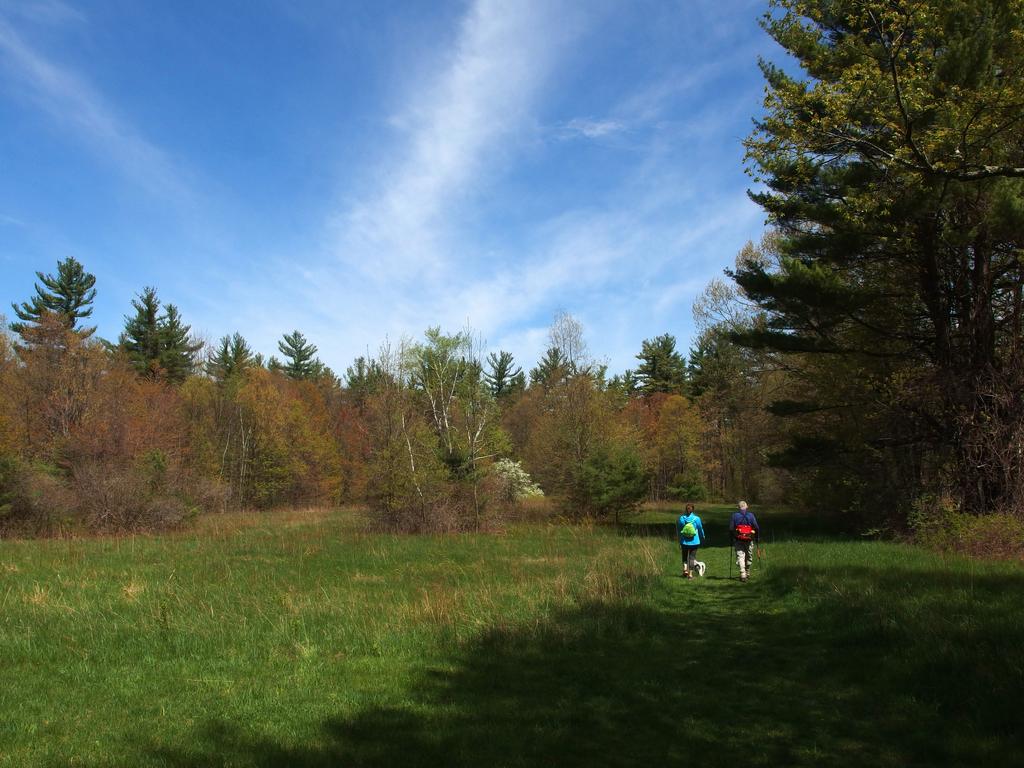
[
  {"x": 232, "y": 357},
  {"x": 141, "y": 336},
  {"x": 502, "y": 373},
  {"x": 68, "y": 296},
  {"x": 300, "y": 356},
  {"x": 662, "y": 368},
  {"x": 178, "y": 351},
  {"x": 158, "y": 345},
  {"x": 893, "y": 173},
  {"x": 551, "y": 369}
]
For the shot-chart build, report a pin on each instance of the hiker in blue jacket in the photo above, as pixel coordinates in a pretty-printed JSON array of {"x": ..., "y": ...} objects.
[
  {"x": 690, "y": 531},
  {"x": 744, "y": 532}
]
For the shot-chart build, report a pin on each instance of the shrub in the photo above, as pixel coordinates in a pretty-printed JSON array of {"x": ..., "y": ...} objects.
[
  {"x": 997, "y": 535},
  {"x": 938, "y": 523},
  {"x": 611, "y": 481},
  {"x": 121, "y": 499},
  {"x": 38, "y": 502},
  {"x": 514, "y": 482},
  {"x": 207, "y": 494},
  {"x": 100, "y": 496}
]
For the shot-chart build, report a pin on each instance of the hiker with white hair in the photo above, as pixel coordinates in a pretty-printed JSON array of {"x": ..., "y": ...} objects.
[{"x": 744, "y": 531}]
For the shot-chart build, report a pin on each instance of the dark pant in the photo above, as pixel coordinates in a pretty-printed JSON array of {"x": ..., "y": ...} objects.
[{"x": 689, "y": 557}]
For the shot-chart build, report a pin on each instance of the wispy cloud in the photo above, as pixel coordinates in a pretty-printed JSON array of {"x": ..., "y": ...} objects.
[
  {"x": 619, "y": 267},
  {"x": 591, "y": 128},
  {"x": 648, "y": 106},
  {"x": 11, "y": 221},
  {"x": 74, "y": 105},
  {"x": 627, "y": 256},
  {"x": 477, "y": 103},
  {"x": 528, "y": 168},
  {"x": 49, "y": 12}
]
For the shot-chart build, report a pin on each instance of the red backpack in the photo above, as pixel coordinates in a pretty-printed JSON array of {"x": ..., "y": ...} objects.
[{"x": 743, "y": 531}]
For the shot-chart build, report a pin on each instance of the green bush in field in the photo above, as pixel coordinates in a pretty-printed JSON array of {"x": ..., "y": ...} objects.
[
  {"x": 612, "y": 480},
  {"x": 153, "y": 465}
]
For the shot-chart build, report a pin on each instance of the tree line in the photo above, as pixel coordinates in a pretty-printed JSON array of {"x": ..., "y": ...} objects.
[{"x": 434, "y": 434}]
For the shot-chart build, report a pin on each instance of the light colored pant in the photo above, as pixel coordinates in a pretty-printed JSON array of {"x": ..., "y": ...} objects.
[{"x": 744, "y": 556}]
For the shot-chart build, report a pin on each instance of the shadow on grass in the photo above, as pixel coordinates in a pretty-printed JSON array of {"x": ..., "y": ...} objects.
[
  {"x": 854, "y": 667},
  {"x": 653, "y": 530}
]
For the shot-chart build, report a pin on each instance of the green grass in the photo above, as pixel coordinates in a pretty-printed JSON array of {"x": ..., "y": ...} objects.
[{"x": 295, "y": 639}]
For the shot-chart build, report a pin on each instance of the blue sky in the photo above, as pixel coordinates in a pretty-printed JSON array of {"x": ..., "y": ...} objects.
[{"x": 363, "y": 170}]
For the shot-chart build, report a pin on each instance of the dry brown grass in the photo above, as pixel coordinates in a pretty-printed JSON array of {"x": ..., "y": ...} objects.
[
  {"x": 39, "y": 596},
  {"x": 228, "y": 524},
  {"x": 367, "y": 578},
  {"x": 42, "y": 597},
  {"x": 442, "y": 607},
  {"x": 132, "y": 590}
]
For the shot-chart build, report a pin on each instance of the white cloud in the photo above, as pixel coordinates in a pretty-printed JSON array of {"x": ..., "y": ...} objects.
[
  {"x": 72, "y": 103},
  {"x": 625, "y": 246},
  {"x": 458, "y": 128},
  {"x": 627, "y": 258},
  {"x": 646, "y": 107},
  {"x": 591, "y": 128},
  {"x": 629, "y": 271},
  {"x": 48, "y": 12}
]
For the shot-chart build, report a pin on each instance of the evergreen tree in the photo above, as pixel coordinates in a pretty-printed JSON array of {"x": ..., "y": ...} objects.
[
  {"x": 69, "y": 296},
  {"x": 158, "y": 345},
  {"x": 716, "y": 363},
  {"x": 551, "y": 369},
  {"x": 623, "y": 386},
  {"x": 696, "y": 375},
  {"x": 178, "y": 352},
  {"x": 662, "y": 368},
  {"x": 357, "y": 375},
  {"x": 300, "y": 355},
  {"x": 232, "y": 358},
  {"x": 141, "y": 338},
  {"x": 363, "y": 377},
  {"x": 516, "y": 385},
  {"x": 502, "y": 374},
  {"x": 893, "y": 174}
]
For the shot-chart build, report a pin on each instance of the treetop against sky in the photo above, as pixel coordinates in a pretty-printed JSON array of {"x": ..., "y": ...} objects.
[{"x": 359, "y": 170}]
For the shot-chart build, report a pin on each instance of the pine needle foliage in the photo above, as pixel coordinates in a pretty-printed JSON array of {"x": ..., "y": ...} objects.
[{"x": 68, "y": 295}]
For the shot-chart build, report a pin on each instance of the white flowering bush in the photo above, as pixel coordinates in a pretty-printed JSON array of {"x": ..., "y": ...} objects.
[{"x": 516, "y": 483}]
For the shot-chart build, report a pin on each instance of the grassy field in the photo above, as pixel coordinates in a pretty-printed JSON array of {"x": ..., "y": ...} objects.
[{"x": 296, "y": 640}]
